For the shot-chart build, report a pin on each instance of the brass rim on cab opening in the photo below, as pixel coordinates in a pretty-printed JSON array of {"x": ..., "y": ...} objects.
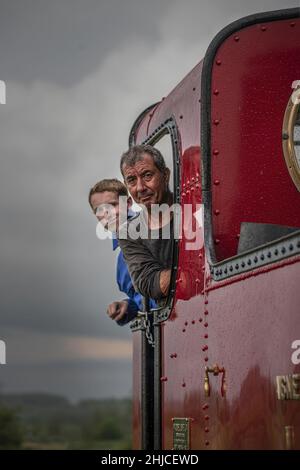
[{"x": 288, "y": 145}]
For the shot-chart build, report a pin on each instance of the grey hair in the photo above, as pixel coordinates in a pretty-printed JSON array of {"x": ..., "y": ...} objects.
[{"x": 136, "y": 153}]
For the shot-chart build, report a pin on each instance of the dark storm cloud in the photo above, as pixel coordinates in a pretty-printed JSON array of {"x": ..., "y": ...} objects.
[
  {"x": 62, "y": 40},
  {"x": 78, "y": 73},
  {"x": 84, "y": 379}
]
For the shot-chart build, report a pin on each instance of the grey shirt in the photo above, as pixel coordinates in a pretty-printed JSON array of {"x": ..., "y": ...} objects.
[{"x": 147, "y": 257}]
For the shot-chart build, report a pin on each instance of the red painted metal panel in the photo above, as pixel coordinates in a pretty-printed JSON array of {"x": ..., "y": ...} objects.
[
  {"x": 251, "y": 87},
  {"x": 252, "y": 324}
]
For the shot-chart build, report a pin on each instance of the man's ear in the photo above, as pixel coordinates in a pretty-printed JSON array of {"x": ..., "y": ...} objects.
[{"x": 129, "y": 202}]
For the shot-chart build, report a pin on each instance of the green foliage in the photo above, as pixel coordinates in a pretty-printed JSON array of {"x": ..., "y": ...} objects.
[
  {"x": 11, "y": 435},
  {"x": 52, "y": 422}
]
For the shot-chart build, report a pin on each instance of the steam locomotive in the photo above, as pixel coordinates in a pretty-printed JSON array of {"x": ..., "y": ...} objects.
[{"x": 218, "y": 365}]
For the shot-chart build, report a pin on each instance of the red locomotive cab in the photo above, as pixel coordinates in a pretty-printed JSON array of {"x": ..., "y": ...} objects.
[{"x": 218, "y": 367}]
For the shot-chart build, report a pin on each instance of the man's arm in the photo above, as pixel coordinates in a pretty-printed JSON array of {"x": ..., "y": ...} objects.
[
  {"x": 164, "y": 281},
  {"x": 148, "y": 275}
]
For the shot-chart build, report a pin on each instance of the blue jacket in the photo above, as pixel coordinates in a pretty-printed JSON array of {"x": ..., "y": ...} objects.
[{"x": 125, "y": 285}]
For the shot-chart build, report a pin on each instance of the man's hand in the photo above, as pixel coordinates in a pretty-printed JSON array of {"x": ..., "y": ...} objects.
[
  {"x": 117, "y": 310},
  {"x": 164, "y": 281}
]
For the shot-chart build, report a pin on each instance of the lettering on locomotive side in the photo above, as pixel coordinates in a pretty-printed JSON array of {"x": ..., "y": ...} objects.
[
  {"x": 181, "y": 433},
  {"x": 288, "y": 387}
]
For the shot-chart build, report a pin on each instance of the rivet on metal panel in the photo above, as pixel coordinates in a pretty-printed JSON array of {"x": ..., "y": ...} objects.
[
  {"x": 205, "y": 406},
  {"x": 283, "y": 250},
  {"x": 164, "y": 379},
  {"x": 285, "y": 136},
  {"x": 216, "y": 91},
  {"x": 206, "y": 301},
  {"x": 292, "y": 24},
  {"x": 216, "y": 122},
  {"x": 236, "y": 38},
  {"x": 231, "y": 268},
  {"x": 237, "y": 266},
  {"x": 205, "y": 312},
  {"x": 181, "y": 116},
  {"x": 243, "y": 264},
  {"x": 238, "y": 236},
  {"x": 175, "y": 355},
  {"x": 205, "y": 348},
  {"x": 193, "y": 322},
  {"x": 291, "y": 247},
  {"x": 206, "y": 324},
  {"x": 249, "y": 262},
  {"x": 194, "y": 88},
  {"x": 255, "y": 259},
  {"x": 206, "y": 336},
  {"x": 218, "y": 62},
  {"x": 197, "y": 281},
  {"x": 206, "y": 417},
  {"x": 263, "y": 28},
  {"x": 217, "y": 182},
  {"x": 262, "y": 257},
  {"x": 216, "y": 152},
  {"x": 183, "y": 384},
  {"x": 275, "y": 253},
  {"x": 186, "y": 323},
  {"x": 200, "y": 320},
  {"x": 217, "y": 241},
  {"x": 216, "y": 211},
  {"x": 183, "y": 330},
  {"x": 207, "y": 443},
  {"x": 206, "y": 359},
  {"x": 206, "y": 429}
]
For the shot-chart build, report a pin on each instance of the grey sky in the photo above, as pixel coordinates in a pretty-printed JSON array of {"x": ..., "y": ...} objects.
[{"x": 78, "y": 72}]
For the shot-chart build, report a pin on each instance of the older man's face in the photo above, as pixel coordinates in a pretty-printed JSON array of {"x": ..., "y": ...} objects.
[{"x": 145, "y": 182}]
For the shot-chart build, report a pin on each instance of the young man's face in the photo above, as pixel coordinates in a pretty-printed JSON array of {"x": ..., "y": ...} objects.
[
  {"x": 145, "y": 182},
  {"x": 107, "y": 208}
]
